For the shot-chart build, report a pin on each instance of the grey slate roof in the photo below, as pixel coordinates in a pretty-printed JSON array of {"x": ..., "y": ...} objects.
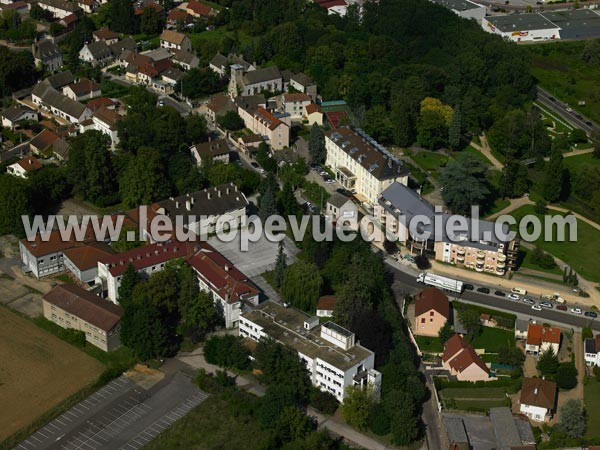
[
  {"x": 458, "y": 5},
  {"x": 62, "y": 4},
  {"x": 590, "y": 345},
  {"x": 53, "y": 98},
  {"x": 262, "y": 75},
  {"x": 184, "y": 57},
  {"x": 60, "y": 79},
  {"x": 338, "y": 200},
  {"x": 522, "y": 325},
  {"x": 302, "y": 79},
  {"x": 219, "y": 60},
  {"x": 126, "y": 44},
  {"x": 15, "y": 112},
  {"x": 45, "y": 49},
  {"x": 250, "y": 102},
  {"x": 99, "y": 50},
  {"x": 505, "y": 429},
  {"x": 173, "y": 73},
  {"x": 521, "y": 22}
]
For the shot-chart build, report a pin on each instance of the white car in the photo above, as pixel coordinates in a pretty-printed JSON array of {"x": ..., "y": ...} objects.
[
  {"x": 536, "y": 307},
  {"x": 576, "y": 311},
  {"x": 514, "y": 297}
]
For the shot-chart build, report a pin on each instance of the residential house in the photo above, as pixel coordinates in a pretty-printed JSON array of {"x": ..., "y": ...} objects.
[
  {"x": 432, "y": 311},
  {"x": 220, "y": 64},
  {"x": 521, "y": 326},
  {"x": 538, "y": 399},
  {"x": 218, "y": 106},
  {"x": 84, "y": 89},
  {"x": 293, "y": 104},
  {"x": 43, "y": 141},
  {"x": 60, "y": 150},
  {"x": 254, "y": 82},
  {"x": 178, "y": 18},
  {"x": 249, "y": 143},
  {"x": 105, "y": 121},
  {"x": 21, "y": 7},
  {"x": 100, "y": 102},
  {"x": 69, "y": 21},
  {"x": 72, "y": 307},
  {"x": 591, "y": 348},
  {"x": 314, "y": 114},
  {"x": 13, "y": 116},
  {"x": 201, "y": 211},
  {"x": 340, "y": 207},
  {"x": 96, "y": 53},
  {"x": 326, "y": 305},
  {"x": 82, "y": 262},
  {"x": 338, "y": 7},
  {"x": 478, "y": 247},
  {"x": 60, "y": 79},
  {"x": 88, "y": 6},
  {"x": 60, "y": 8},
  {"x": 460, "y": 359},
  {"x": 186, "y": 60},
  {"x": 217, "y": 150},
  {"x": 117, "y": 48},
  {"x": 151, "y": 75},
  {"x": 24, "y": 167},
  {"x": 305, "y": 84},
  {"x": 59, "y": 105},
  {"x": 540, "y": 338},
  {"x": 231, "y": 290},
  {"x": 330, "y": 352},
  {"x": 197, "y": 9},
  {"x": 175, "y": 41},
  {"x": 106, "y": 35},
  {"x": 171, "y": 77},
  {"x": 361, "y": 165},
  {"x": 146, "y": 260},
  {"x": 47, "y": 55},
  {"x": 260, "y": 121}
]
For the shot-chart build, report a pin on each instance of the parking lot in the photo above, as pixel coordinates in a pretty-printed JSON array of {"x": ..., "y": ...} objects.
[{"x": 121, "y": 415}]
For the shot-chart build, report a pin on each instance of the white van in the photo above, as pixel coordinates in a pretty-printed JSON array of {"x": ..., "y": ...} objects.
[{"x": 518, "y": 290}]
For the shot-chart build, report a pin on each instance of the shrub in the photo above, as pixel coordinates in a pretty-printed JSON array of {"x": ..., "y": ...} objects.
[
  {"x": 566, "y": 376},
  {"x": 227, "y": 351},
  {"x": 379, "y": 421},
  {"x": 323, "y": 401}
]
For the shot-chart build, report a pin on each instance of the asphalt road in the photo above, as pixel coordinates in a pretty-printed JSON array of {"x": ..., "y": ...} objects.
[
  {"x": 573, "y": 117},
  {"x": 406, "y": 283}
]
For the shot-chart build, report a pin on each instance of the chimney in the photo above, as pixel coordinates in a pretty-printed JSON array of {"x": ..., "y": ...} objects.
[
  {"x": 227, "y": 191},
  {"x": 535, "y": 391},
  {"x": 176, "y": 204},
  {"x": 208, "y": 195},
  {"x": 226, "y": 267},
  {"x": 188, "y": 205},
  {"x": 219, "y": 193}
]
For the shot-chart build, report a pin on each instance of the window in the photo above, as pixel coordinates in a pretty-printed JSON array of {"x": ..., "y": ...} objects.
[{"x": 423, "y": 320}]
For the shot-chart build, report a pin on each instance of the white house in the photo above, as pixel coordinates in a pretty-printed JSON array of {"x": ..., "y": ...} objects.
[
  {"x": 82, "y": 262},
  {"x": 326, "y": 305},
  {"x": 591, "y": 350},
  {"x": 540, "y": 338},
  {"x": 333, "y": 358},
  {"x": 217, "y": 150},
  {"x": 84, "y": 89},
  {"x": 105, "y": 120},
  {"x": 174, "y": 41},
  {"x": 15, "y": 114},
  {"x": 59, "y": 8},
  {"x": 61, "y": 106},
  {"x": 24, "y": 167},
  {"x": 538, "y": 399}
]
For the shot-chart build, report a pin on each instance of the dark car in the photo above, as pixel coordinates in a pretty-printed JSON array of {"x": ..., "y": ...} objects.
[
  {"x": 254, "y": 164},
  {"x": 468, "y": 287},
  {"x": 500, "y": 294},
  {"x": 561, "y": 307},
  {"x": 344, "y": 192},
  {"x": 590, "y": 314},
  {"x": 483, "y": 290}
]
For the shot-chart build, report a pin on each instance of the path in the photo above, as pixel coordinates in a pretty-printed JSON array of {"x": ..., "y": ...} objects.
[
  {"x": 515, "y": 203},
  {"x": 578, "y": 152},
  {"x": 487, "y": 152}
]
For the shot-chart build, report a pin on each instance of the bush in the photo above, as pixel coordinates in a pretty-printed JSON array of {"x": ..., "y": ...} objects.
[
  {"x": 422, "y": 262},
  {"x": 227, "y": 351},
  {"x": 566, "y": 376},
  {"x": 379, "y": 421},
  {"x": 323, "y": 401}
]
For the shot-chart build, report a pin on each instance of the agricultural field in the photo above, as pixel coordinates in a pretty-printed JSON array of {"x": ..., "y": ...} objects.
[{"x": 39, "y": 371}]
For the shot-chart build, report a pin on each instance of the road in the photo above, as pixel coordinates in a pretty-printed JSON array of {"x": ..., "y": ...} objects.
[
  {"x": 562, "y": 109},
  {"x": 406, "y": 283}
]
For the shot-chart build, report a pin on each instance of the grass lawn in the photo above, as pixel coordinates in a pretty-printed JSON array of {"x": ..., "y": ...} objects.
[
  {"x": 493, "y": 339},
  {"x": 483, "y": 392},
  {"x": 430, "y": 344},
  {"x": 583, "y": 255},
  {"x": 498, "y": 205},
  {"x": 591, "y": 397},
  {"x": 212, "y": 425},
  {"x": 430, "y": 161},
  {"x": 526, "y": 262},
  {"x": 474, "y": 153},
  {"x": 559, "y": 68},
  {"x": 480, "y": 405},
  {"x": 578, "y": 162}
]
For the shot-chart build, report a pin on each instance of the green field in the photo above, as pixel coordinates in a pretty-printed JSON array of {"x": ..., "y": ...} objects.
[
  {"x": 583, "y": 255},
  {"x": 430, "y": 161},
  {"x": 591, "y": 396},
  {"x": 480, "y": 393},
  {"x": 560, "y": 69},
  {"x": 475, "y": 398},
  {"x": 429, "y": 344},
  {"x": 578, "y": 162},
  {"x": 493, "y": 339}
]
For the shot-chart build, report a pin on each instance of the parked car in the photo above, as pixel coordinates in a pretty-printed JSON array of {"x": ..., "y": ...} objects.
[
  {"x": 528, "y": 300},
  {"x": 536, "y": 307},
  {"x": 468, "y": 287},
  {"x": 561, "y": 307},
  {"x": 483, "y": 290},
  {"x": 500, "y": 294},
  {"x": 591, "y": 314},
  {"x": 516, "y": 297},
  {"x": 576, "y": 311},
  {"x": 518, "y": 290},
  {"x": 343, "y": 191},
  {"x": 546, "y": 305},
  {"x": 254, "y": 164}
]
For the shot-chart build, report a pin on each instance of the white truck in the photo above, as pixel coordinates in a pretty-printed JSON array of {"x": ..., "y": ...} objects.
[{"x": 438, "y": 281}]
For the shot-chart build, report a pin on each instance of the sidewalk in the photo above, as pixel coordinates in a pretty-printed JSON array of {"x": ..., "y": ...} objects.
[{"x": 485, "y": 149}]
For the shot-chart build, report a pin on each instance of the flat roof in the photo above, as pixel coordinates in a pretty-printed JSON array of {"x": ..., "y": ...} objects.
[
  {"x": 458, "y": 5},
  {"x": 521, "y": 22},
  {"x": 576, "y": 24},
  {"x": 286, "y": 325}
]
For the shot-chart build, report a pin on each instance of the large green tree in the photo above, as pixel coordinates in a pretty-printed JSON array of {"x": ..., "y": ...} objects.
[
  {"x": 548, "y": 362},
  {"x": 465, "y": 184},
  {"x": 316, "y": 144},
  {"x": 553, "y": 183},
  {"x": 143, "y": 180},
  {"x": 14, "y": 203},
  {"x": 572, "y": 419},
  {"x": 301, "y": 285},
  {"x": 357, "y": 406}
]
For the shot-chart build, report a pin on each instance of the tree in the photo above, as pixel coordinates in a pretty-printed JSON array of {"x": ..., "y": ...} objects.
[
  {"x": 122, "y": 17},
  {"x": 357, "y": 406},
  {"x": 301, "y": 285},
  {"x": 422, "y": 262},
  {"x": 540, "y": 207},
  {"x": 316, "y": 144},
  {"x": 267, "y": 207},
  {"x": 197, "y": 83},
  {"x": 553, "y": 183},
  {"x": 469, "y": 318},
  {"x": 143, "y": 180},
  {"x": 196, "y": 308},
  {"x": 280, "y": 265},
  {"x": 143, "y": 331},
  {"x": 404, "y": 427},
  {"x": 577, "y": 136},
  {"x": 465, "y": 184},
  {"x": 289, "y": 205},
  {"x": 151, "y": 22},
  {"x": 515, "y": 180},
  {"x": 17, "y": 70},
  {"x": 572, "y": 419},
  {"x": 445, "y": 332},
  {"x": 14, "y": 203},
  {"x": 510, "y": 356},
  {"x": 129, "y": 280},
  {"x": 227, "y": 351},
  {"x": 591, "y": 53},
  {"x": 231, "y": 121},
  {"x": 455, "y": 129},
  {"x": 548, "y": 362},
  {"x": 566, "y": 375},
  {"x": 434, "y": 120},
  {"x": 49, "y": 187},
  {"x": 586, "y": 333},
  {"x": 542, "y": 259}
]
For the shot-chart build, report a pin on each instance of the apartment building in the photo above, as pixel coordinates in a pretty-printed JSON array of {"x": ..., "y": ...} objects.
[
  {"x": 47, "y": 55},
  {"x": 477, "y": 248},
  {"x": 293, "y": 104},
  {"x": 262, "y": 122},
  {"x": 361, "y": 165},
  {"x": 202, "y": 211},
  {"x": 231, "y": 290},
  {"x": 72, "y": 307},
  {"x": 332, "y": 356}
]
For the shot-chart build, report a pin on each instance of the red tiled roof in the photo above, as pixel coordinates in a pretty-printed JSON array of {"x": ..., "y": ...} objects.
[
  {"x": 178, "y": 15},
  {"x": 538, "y": 334},
  {"x": 100, "y": 102},
  {"x": 538, "y": 392},
  {"x": 199, "y": 8},
  {"x": 87, "y": 257},
  {"x": 330, "y": 3},
  {"x": 105, "y": 34},
  {"x": 312, "y": 108},
  {"x": 29, "y": 164},
  {"x": 155, "y": 68},
  {"x": 335, "y": 117},
  {"x": 70, "y": 19},
  {"x": 273, "y": 122},
  {"x": 453, "y": 346},
  {"x": 44, "y": 139},
  {"x": 460, "y": 355},
  {"x": 432, "y": 298},
  {"x": 53, "y": 243},
  {"x": 296, "y": 97}
]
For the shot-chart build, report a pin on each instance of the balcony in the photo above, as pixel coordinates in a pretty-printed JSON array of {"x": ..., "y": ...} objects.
[
  {"x": 501, "y": 264},
  {"x": 499, "y": 271},
  {"x": 460, "y": 259},
  {"x": 501, "y": 257},
  {"x": 461, "y": 251},
  {"x": 480, "y": 254},
  {"x": 479, "y": 267}
]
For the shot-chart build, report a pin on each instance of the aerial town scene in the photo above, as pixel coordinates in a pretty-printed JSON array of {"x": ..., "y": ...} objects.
[{"x": 300, "y": 224}]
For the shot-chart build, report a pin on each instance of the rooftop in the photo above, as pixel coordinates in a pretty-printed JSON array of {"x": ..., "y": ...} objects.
[
  {"x": 29, "y": 164},
  {"x": 87, "y": 257},
  {"x": 85, "y": 305},
  {"x": 173, "y": 37},
  {"x": 538, "y": 392},
  {"x": 212, "y": 148},
  {"x": 286, "y": 325},
  {"x": 521, "y": 22},
  {"x": 326, "y": 303},
  {"x": 262, "y": 75},
  {"x": 458, "y": 5},
  {"x": 538, "y": 334},
  {"x": 432, "y": 298}
]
